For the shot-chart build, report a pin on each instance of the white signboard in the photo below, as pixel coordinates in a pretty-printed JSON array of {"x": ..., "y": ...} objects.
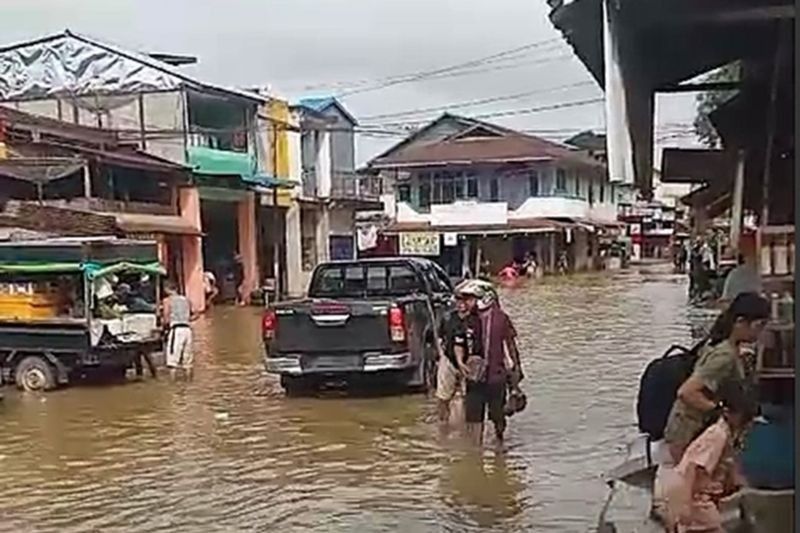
[
  {"x": 423, "y": 243},
  {"x": 450, "y": 239}
]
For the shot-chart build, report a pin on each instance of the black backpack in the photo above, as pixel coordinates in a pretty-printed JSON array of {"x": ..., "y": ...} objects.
[{"x": 659, "y": 386}]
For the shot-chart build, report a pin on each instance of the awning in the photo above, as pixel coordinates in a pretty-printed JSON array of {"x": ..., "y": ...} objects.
[
  {"x": 164, "y": 224},
  {"x": 682, "y": 165},
  {"x": 269, "y": 182},
  {"x": 514, "y": 226}
]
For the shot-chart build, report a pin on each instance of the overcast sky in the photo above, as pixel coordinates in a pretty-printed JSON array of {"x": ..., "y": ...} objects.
[{"x": 319, "y": 47}]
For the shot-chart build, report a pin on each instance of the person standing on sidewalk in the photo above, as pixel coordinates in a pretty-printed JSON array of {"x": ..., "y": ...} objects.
[{"x": 177, "y": 318}]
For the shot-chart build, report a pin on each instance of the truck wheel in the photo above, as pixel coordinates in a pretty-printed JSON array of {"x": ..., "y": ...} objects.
[
  {"x": 296, "y": 385},
  {"x": 34, "y": 373}
]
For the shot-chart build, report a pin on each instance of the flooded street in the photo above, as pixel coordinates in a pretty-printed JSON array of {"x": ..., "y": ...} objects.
[{"x": 229, "y": 452}]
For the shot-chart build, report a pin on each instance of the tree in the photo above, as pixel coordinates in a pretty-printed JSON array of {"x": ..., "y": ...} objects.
[{"x": 708, "y": 101}]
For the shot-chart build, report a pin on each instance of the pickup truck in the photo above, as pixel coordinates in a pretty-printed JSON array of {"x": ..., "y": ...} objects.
[{"x": 361, "y": 319}]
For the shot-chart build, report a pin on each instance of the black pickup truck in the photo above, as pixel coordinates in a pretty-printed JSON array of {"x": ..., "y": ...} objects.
[{"x": 361, "y": 318}]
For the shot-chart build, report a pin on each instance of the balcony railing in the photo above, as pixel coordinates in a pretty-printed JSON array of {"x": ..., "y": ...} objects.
[{"x": 351, "y": 186}]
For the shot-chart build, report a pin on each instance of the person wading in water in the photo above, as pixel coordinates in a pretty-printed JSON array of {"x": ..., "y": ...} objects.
[
  {"x": 177, "y": 317},
  {"x": 461, "y": 338},
  {"x": 490, "y": 374}
]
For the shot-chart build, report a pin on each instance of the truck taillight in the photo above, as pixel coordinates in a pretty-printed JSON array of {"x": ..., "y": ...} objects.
[
  {"x": 268, "y": 324},
  {"x": 397, "y": 324}
]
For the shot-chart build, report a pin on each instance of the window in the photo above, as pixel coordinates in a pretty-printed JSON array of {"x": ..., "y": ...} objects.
[
  {"x": 561, "y": 180},
  {"x": 591, "y": 192},
  {"x": 404, "y": 192},
  {"x": 602, "y": 192},
  {"x": 494, "y": 190},
  {"x": 459, "y": 187},
  {"x": 533, "y": 184},
  {"x": 472, "y": 186},
  {"x": 425, "y": 194},
  {"x": 376, "y": 278},
  {"x": 329, "y": 282},
  {"x": 448, "y": 189},
  {"x": 577, "y": 185},
  {"x": 403, "y": 280},
  {"x": 354, "y": 281}
]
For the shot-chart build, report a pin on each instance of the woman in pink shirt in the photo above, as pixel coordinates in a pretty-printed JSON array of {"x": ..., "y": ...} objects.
[{"x": 706, "y": 472}]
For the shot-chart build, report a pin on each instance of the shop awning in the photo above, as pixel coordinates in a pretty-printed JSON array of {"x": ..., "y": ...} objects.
[
  {"x": 514, "y": 226},
  {"x": 269, "y": 182},
  {"x": 164, "y": 224}
]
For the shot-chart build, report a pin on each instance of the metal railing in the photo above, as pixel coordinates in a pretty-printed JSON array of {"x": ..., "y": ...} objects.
[{"x": 352, "y": 186}]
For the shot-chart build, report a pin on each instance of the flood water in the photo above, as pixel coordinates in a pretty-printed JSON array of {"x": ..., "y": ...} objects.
[{"x": 228, "y": 452}]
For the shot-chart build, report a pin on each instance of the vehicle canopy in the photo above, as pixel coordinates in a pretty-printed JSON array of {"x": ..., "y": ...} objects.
[{"x": 102, "y": 280}]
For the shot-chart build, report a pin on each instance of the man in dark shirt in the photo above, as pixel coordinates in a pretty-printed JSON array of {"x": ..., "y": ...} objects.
[
  {"x": 461, "y": 337},
  {"x": 486, "y": 390}
]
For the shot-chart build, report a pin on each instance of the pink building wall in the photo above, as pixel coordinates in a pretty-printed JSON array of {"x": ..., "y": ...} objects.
[
  {"x": 246, "y": 215},
  {"x": 192, "y": 248}
]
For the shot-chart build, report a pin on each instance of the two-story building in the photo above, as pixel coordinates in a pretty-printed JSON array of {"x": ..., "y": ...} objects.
[
  {"x": 476, "y": 195},
  {"x": 332, "y": 192},
  {"x": 156, "y": 107}
]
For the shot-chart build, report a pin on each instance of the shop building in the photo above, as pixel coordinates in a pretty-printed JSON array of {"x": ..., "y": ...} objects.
[{"x": 477, "y": 195}]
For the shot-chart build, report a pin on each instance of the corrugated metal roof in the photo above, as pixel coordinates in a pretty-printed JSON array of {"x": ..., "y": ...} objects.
[
  {"x": 321, "y": 103},
  {"x": 137, "y": 57}
]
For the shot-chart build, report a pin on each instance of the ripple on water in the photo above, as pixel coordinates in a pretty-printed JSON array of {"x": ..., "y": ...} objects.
[{"x": 228, "y": 452}]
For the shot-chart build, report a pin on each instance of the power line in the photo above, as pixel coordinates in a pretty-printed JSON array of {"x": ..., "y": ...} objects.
[
  {"x": 416, "y": 76},
  {"x": 478, "y": 102},
  {"x": 509, "y": 112}
]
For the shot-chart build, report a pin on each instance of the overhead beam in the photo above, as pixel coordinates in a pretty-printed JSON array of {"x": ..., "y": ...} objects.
[{"x": 700, "y": 87}]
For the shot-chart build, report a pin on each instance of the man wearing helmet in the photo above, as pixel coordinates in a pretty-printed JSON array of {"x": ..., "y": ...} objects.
[
  {"x": 498, "y": 366},
  {"x": 461, "y": 338}
]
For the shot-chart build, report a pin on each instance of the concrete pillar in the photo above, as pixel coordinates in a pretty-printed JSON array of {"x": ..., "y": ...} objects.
[
  {"x": 294, "y": 253},
  {"x": 192, "y": 249},
  {"x": 323, "y": 235},
  {"x": 247, "y": 231},
  {"x": 737, "y": 201},
  {"x": 323, "y": 164}
]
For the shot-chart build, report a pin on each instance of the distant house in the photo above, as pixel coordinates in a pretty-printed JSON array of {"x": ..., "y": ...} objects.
[
  {"x": 332, "y": 191},
  {"x": 484, "y": 192}
]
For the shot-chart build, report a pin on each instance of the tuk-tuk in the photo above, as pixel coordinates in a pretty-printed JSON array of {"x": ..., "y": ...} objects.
[{"x": 72, "y": 307}]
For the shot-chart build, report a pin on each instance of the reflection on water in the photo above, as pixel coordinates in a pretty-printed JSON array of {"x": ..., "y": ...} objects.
[{"x": 228, "y": 452}]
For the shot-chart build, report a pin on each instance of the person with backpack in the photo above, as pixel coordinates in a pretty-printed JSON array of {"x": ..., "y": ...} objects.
[{"x": 723, "y": 359}]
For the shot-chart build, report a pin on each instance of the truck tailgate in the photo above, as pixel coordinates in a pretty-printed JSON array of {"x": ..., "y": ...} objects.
[{"x": 331, "y": 326}]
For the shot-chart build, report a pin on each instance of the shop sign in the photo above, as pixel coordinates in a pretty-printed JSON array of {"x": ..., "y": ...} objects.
[
  {"x": 422, "y": 243},
  {"x": 450, "y": 239}
]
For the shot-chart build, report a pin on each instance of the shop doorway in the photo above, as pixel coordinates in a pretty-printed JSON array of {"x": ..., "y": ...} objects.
[{"x": 220, "y": 244}]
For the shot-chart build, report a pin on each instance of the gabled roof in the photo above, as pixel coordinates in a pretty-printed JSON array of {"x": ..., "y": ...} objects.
[
  {"x": 476, "y": 142},
  {"x": 74, "y": 64},
  {"x": 322, "y": 103}
]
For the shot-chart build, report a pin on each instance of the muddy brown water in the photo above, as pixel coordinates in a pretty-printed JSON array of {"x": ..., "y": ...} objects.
[{"x": 228, "y": 452}]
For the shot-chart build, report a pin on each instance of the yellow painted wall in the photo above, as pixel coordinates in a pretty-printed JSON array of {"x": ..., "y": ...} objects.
[{"x": 278, "y": 137}]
